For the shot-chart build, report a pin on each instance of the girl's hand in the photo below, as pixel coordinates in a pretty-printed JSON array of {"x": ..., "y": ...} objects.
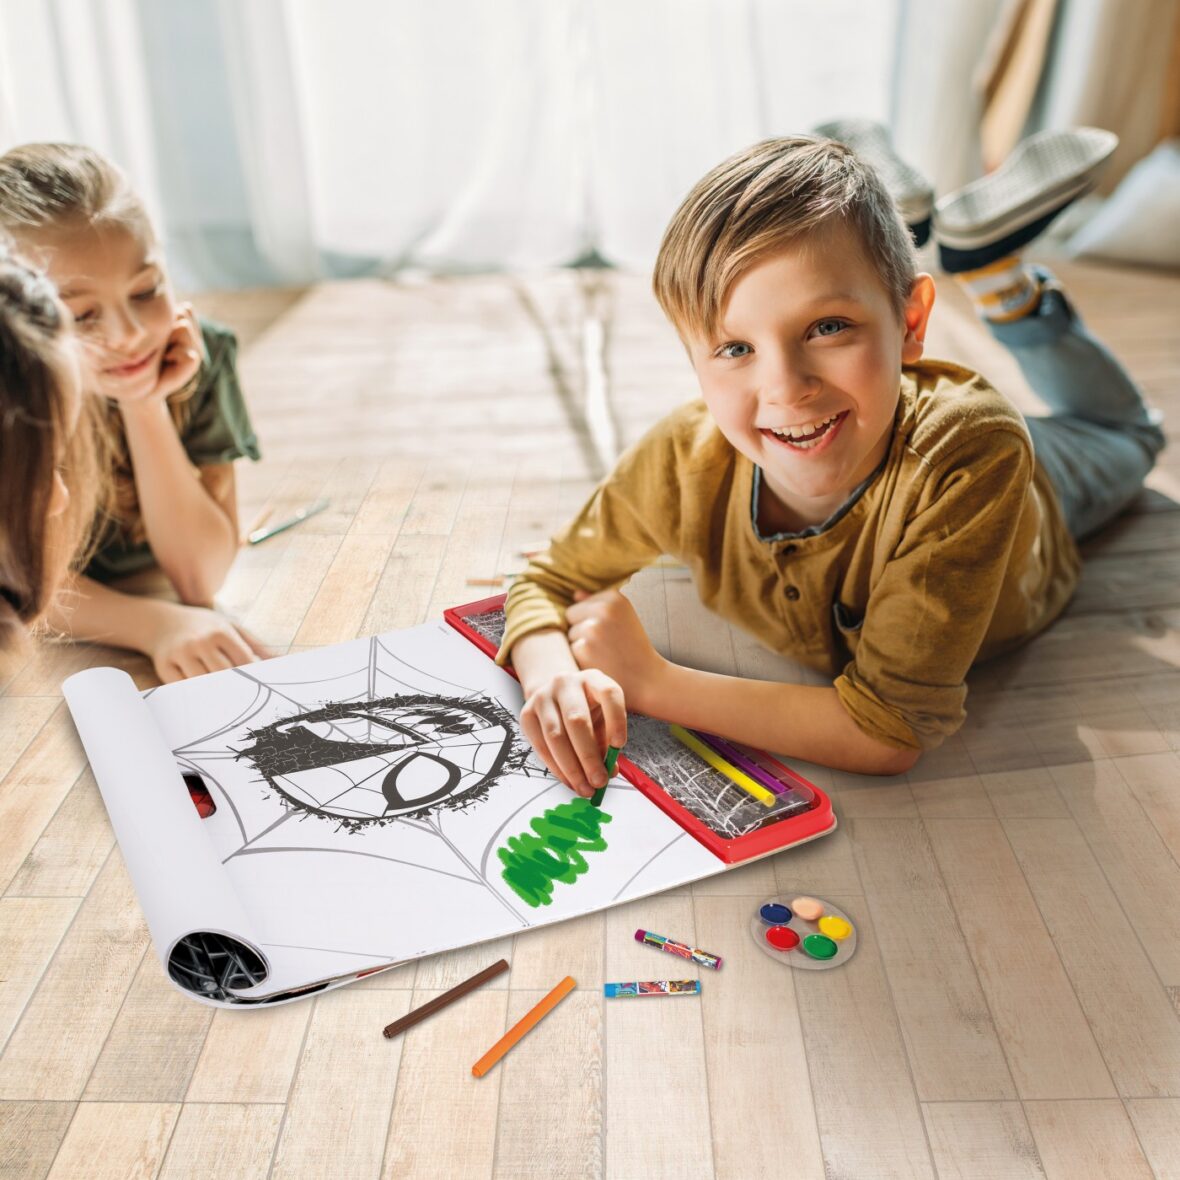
[
  {"x": 606, "y": 633},
  {"x": 195, "y": 640},
  {"x": 182, "y": 354},
  {"x": 570, "y": 719}
]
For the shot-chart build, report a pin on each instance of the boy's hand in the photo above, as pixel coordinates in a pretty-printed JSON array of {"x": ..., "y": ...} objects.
[
  {"x": 606, "y": 633},
  {"x": 195, "y": 640},
  {"x": 570, "y": 719}
]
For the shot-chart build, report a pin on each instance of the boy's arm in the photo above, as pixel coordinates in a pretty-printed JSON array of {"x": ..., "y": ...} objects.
[
  {"x": 795, "y": 720},
  {"x": 799, "y": 721},
  {"x": 927, "y": 617}
]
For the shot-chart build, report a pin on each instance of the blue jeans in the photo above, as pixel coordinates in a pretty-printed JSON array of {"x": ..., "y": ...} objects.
[{"x": 1099, "y": 440}]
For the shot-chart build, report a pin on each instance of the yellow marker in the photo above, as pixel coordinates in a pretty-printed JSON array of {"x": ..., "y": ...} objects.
[
  {"x": 835, "y": 927},
  {"x": 731, "y": 772}
]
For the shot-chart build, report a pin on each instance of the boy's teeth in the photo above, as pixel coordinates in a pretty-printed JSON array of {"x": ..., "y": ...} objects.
[{"x": 808, "y": 429}]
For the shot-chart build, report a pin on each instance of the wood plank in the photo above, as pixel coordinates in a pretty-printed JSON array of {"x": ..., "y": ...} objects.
[
  {"x": 73, "y": 848},
  {"x": 982, "y": 1141},
  {"x": 339, "y": 1109},
  {"x": 388, "y": 499},
  {"x": 641, "y": 1074},
  {"x": 278, "y": 611},
  {"x": 119, "y": 1140},
  {"x": 1086, "y": 1141},
  {"x": 1134, "y": 859},
  {"x": 866, "y": 1105},
  {"x": 1157, "y": 1124},
  {"x": 154, "y": 1043},
  {"x": 404, "y": 591},
  {"x": 21, "y": 719},
  {"x": 343, "y": 598},
  {"x": 541, "y": 957},
  {"x": 1152, "y": 780},
  {"x": 35, "y": 787},
  {"x": 434, "y": 1074},
  {"x": 30, "y": 1136},
  {"x": 1050, "y": 1048},
  {"x": 569, "y": 1135},
  {"x": 223, "y": 1139},
  {"x": 951, "y": 1041},
  {"x": 30, "y": 930},
  {"x": 1139, "y": 1036},
  {"x": 251, "y": 1056},
  {"x": 81, "y": 991},
  {"x": 752, "y": 1035}
]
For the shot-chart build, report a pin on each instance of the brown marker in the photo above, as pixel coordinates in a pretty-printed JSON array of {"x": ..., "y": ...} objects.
[{"x": 431, "y": 1007}]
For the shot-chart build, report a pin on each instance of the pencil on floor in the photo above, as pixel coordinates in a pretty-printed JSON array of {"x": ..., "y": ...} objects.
[{"x": 261, "y": 534}]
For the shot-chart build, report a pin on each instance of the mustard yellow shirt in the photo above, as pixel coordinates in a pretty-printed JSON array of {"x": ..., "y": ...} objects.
[{"x": 954, "y": 551}]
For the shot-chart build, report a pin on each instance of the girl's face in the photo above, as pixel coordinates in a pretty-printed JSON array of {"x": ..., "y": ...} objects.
[{"x": 111, "y": 278}]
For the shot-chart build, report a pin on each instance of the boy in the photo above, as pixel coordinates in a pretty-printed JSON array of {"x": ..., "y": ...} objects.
[{"x": 876, "y": 516}]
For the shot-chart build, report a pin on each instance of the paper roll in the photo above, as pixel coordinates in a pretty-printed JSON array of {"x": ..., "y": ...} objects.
[{"x": 182, "y": 886}]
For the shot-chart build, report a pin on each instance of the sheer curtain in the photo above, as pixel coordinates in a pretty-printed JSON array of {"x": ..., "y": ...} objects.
[{"x": 285, "y": 140}]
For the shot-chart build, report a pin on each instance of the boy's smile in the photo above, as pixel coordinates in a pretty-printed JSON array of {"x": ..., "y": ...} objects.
[{"x": 803, "y": 372}]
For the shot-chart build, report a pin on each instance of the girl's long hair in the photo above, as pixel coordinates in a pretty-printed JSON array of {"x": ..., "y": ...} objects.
[
  {"x": 46, "y": 185},
  {"x": 41, "y": 434}
]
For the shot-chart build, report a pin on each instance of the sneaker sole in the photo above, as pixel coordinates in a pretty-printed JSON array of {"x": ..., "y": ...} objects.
[
  {"x": 910, "y": 190},
  {"x": 1041, "y": 177}
]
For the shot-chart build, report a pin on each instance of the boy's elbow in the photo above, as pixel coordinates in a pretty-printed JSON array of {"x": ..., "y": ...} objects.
[{"x": 891, "y": 760}]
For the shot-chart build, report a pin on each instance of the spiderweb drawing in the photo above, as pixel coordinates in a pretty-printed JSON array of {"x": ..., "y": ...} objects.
[{"x": 391, "y": 781}]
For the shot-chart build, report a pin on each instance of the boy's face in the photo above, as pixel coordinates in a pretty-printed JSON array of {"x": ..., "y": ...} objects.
[{"x": 803, "y": 373}]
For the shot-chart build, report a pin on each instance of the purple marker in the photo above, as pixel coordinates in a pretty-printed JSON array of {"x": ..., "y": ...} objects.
[
  {"x": 757, "y": 768},
  {"x": 701, "y": 958}
]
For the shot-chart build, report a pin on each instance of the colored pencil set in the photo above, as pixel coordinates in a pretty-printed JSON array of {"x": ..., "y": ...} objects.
[{"x": 753, "y": 770}]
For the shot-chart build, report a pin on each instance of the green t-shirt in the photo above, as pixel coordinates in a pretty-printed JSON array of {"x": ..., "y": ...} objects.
[{"x": 217, "y": 429}]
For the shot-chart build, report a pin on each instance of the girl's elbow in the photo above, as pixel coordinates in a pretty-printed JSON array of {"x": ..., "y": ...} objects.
[{"x": 196, "y": 587}]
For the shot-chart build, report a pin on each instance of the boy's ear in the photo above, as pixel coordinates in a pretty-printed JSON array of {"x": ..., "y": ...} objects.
[{"x": 916, "y": 315}]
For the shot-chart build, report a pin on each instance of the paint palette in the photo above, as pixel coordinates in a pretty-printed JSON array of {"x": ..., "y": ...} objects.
[{"x": 803, "y": 931}]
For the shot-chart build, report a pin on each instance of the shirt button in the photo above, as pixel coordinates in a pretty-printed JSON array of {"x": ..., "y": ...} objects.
[
  {"x": 790, "y": 548},
  {"x": 792, "y": 593}
]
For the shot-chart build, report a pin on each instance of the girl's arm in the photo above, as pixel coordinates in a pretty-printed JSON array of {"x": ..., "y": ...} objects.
[
  {"x": 189, "y": 513},
  {"x": 181, "y": 641}
]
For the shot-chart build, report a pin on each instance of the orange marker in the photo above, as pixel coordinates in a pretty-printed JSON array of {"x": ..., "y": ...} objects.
[{"x": 528, "y": 1022}]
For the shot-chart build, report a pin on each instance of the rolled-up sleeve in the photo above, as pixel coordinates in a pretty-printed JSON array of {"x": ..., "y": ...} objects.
[
  {"x": 626, "y": 524},
  {"x": 929, "y": 612}
]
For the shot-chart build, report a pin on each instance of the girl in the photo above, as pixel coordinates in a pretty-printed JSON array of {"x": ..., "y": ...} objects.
[
  {"x": 41, "y": 403},
  {"x": 173, "y": 412}
]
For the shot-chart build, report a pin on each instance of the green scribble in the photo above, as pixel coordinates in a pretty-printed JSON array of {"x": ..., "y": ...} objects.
[{"x": 553, "y": 850}]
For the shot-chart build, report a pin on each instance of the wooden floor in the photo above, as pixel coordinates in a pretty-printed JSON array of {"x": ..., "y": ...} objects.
[{"x": 1012, "y": 1009}]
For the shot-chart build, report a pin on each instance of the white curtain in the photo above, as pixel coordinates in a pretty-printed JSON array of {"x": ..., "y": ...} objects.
[{"x": 284, "y": 140}]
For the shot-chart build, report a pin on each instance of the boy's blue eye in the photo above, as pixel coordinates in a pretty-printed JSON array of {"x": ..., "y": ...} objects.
[
  {"x": 734, "y": 351},
  {"x": 144, "y": 296},
  {"x": 830, "y": 327}
]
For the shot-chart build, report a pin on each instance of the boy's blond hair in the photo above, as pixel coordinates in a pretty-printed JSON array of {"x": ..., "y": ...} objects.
[{"x": 762, "y": 199}]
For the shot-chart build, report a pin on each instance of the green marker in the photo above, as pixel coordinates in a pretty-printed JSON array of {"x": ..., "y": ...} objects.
[{"x": 612, "y": 757}]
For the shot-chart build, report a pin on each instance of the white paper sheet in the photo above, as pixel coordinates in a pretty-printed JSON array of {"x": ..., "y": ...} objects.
[{"x": 367, "y": 796}]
